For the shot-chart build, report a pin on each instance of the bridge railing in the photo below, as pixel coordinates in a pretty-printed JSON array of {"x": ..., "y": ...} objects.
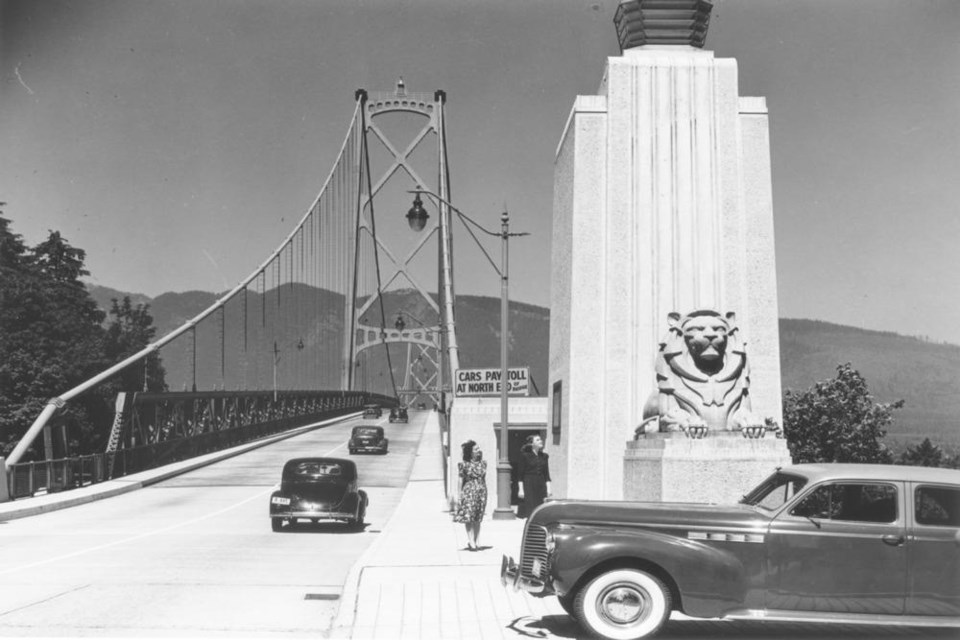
[{"x": 219, "y": 422}]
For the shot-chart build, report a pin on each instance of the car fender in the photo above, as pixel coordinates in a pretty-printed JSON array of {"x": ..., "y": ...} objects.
[
  {"x": 708, "y": 580},
  {"x": 276, "y": 507},
  {"x": 352, "y": 502}
]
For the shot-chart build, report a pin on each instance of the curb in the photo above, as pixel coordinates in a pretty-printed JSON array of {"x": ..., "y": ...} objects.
[{"x": 16, "y": 509}]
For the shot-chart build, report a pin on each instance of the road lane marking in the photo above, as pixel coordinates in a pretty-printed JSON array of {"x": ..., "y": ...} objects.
[{"x": 147, "y": 534}]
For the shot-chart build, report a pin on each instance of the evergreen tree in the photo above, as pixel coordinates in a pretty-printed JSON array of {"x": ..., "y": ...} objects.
[
  {"x": 837, "y": 421},
  {"x": 130, "y": 330},
  {"x": 51, "y": 338},
  {"x": 925, "y": 454}
]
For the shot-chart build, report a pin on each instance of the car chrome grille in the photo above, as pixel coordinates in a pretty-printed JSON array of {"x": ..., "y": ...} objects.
[{"x": 534, "y": 553}]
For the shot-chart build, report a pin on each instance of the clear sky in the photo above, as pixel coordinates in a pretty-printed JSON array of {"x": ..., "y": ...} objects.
[{"x": 178, "y": 141}]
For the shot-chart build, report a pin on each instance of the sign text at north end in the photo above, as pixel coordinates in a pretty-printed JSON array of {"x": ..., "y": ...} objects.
[{"x": 486, "y": 382}]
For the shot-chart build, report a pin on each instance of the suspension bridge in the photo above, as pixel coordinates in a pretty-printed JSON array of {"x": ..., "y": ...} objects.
[{"x": 338, "y": 315}]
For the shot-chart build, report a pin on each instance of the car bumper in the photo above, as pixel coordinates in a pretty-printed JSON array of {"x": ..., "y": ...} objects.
[
  {"x": 319, "y": 515},
  {"x": 377, "y": 449},
  {"x": 510, "y": 576}
]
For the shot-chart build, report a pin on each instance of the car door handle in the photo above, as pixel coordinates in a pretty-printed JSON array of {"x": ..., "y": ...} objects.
[{"x": 893, "y": 541}]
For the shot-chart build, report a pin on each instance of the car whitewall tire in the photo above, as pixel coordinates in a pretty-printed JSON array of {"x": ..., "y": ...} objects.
[{"x": 623, "y": 604}]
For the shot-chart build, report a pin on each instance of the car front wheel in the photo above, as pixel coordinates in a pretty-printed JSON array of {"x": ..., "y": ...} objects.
[
  {"x": 567, "y": 603},
  {"x": 623, "y": 604}
]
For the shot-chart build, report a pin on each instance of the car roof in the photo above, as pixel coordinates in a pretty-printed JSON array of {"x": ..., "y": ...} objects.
[
  {"x": 347, "y": 464},
  {"x": 368, "y": 426},
  {"x": 817, "y": 472},
  {"x": 348, "y": 470}
]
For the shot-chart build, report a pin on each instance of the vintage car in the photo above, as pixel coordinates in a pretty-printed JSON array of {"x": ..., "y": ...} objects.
[
  {"x": 372, "y": 410},
  {"x": 318, "y": 489},
  {"x": 398, "y": 414},
  {"x": 368, "y": 438},
  {"x": 849, "y": 543}
]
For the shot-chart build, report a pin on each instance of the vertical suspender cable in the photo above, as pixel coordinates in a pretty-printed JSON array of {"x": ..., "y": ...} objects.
[
  {"x": 223, "y": 349},
  {"x": 193, "y": 334}
]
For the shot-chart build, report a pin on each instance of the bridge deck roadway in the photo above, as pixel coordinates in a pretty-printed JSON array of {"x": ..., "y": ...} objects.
[{"x": 194, "y": 555}]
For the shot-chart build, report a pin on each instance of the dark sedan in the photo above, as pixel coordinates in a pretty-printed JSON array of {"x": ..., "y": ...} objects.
[
  {"x": 398, "y": 414},
  {"x": 318, "y": 489},
  {"x": 368, "y": 438},
  {"x": 372, "y": 410}
]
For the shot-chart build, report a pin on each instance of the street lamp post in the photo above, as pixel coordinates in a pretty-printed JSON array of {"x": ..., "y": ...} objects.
[
  {"x": 503, "y": 510},
  {"x": 414, "y": 216}
]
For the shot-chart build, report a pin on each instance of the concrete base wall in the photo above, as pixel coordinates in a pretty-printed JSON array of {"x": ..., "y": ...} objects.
[{"x": 720, "y": 469}]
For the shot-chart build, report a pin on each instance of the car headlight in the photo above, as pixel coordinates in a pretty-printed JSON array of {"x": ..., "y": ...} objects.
[{"x": 551, "y": 542}]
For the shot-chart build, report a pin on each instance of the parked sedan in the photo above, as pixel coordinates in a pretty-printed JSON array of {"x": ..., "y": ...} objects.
[
  {"x": 318, "y": 489},
  {"x": 873, "y": 544},
  {"x": 398, "y": 414},
  {"x": 368, "y": 438}
]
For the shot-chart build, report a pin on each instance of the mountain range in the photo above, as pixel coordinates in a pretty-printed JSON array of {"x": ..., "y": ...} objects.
[{"x": 926, "y": 375}]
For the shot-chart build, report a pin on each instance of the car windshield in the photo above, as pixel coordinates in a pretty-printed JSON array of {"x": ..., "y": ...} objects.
[
  {"x": 366, "y": 432},
  {"x": 311, "y": 469},
  {"x": 775, "y": 491}
]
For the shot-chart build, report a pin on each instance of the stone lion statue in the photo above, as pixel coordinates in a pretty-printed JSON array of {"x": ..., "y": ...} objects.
[{"x": 703, "y": 378}]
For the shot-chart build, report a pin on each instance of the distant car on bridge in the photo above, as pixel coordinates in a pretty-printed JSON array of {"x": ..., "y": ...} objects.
[
  {"x": 372, "y": 410},
  {"x": 318, "y": 489},
  {"x": 398, "y": 414},
  {"x": 850, "y": 543},
  {"x": 368, "y": 438}
]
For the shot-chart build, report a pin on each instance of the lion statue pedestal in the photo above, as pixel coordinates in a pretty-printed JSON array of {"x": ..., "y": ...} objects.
[
  {"x": 700, "y": 440},
  {"x": 719, "y": 468}
]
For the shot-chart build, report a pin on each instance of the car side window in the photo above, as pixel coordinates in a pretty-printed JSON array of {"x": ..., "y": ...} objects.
[
  {"x": 850, "y": 502},
  {"x": 937, "y": 506}
]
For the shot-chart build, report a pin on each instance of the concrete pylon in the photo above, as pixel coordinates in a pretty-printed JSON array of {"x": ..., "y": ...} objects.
[{"x": 662, "y": 204}]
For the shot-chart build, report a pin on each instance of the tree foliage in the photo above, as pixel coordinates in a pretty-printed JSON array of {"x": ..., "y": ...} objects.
[
  {"x": 837, "y": 421},
  {"x": 52, "y": 339},
  {"x": 130, "y": 330},
  {"x": 927, "y": 454}
]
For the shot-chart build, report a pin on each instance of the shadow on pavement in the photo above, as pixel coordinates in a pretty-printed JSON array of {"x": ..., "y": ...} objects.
[
  {"x": 679, "y": 629},
  {"x": 324, "y": 527},
  {"x": 546, "y": 627},
  {"x": 562, "y": 626}
]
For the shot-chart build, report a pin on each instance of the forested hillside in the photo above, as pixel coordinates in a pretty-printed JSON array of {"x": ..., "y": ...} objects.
[{"x": 925, "y": 375}]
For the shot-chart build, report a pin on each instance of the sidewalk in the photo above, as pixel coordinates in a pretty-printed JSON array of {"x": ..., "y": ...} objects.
[{"x": 417, "y": 580}]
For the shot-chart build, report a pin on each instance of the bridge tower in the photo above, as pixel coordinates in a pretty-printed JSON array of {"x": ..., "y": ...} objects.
[{"x": 400, "y": 311}]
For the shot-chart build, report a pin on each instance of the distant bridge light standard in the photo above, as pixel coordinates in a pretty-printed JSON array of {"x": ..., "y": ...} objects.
[{"x": 417, "y": 212}]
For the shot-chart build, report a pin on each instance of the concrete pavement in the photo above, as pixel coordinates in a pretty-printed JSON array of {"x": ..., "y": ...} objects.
[{"x": 26, "y": 507}]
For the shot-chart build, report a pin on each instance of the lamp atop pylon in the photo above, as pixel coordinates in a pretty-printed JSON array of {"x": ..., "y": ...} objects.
[
  {"x": 662, "y": 22},
  {"x": 417, "y": 216}
]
